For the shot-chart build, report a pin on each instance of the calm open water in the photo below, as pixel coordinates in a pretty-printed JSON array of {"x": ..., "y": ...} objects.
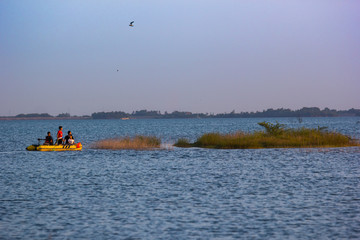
[{"x": 176, "y": 193}]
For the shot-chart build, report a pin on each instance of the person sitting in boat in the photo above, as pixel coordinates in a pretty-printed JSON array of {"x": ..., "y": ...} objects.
[
  {"x": 48, "y": 139},
  {"x": 59, "y": 139},
  {"x": 69, "y": 139}
]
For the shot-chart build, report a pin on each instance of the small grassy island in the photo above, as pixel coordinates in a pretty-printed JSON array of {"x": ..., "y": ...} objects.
[
  {"x": 136, "y": 143},
  {"x": 274, "y": 136}
]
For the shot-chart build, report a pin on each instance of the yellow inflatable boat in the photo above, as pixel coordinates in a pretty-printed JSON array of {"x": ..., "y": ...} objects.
[{"x": 51, "y": 148}]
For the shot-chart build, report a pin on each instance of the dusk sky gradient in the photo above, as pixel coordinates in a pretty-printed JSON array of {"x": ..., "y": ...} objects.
[{"x": 189, "y": 55}]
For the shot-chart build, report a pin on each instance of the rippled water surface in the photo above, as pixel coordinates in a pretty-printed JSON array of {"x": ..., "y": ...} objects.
[{"x": 176, "y": 193}]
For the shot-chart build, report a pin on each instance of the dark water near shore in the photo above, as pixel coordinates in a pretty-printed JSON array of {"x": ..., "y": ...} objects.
[{"x": 176, "y": 193}]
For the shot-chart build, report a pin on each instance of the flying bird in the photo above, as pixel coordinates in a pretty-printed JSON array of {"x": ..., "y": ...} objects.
[{"x": 131, "y": 24}]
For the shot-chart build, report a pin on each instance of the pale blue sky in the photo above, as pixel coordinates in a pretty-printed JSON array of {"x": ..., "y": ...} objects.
[{"x": 189, "y": 55}]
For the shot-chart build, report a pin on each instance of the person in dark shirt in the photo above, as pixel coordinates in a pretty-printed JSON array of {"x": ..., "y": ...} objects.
[
  {"x": 48, "y": 139},
  {"x": 69, "y": 136}
]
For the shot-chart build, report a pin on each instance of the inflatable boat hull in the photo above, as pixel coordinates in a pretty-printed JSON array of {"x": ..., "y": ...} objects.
[{"x": 52, "y": 148}]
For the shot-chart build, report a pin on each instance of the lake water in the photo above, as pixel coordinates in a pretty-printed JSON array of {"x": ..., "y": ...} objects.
[{"x": 176, "y": 193}]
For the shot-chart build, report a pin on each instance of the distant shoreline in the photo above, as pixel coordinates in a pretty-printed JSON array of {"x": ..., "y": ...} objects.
[
  {"x": 44, "y": 118},
  {"x": 90, "y": 118},
  {"x": 145, "y": 114}
]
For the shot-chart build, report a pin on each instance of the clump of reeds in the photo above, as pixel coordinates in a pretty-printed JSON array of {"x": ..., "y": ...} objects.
[
  {"x": 183, "y": 142},
  {"x": 136, "y": 143},
  {"x": 274, "y": 136}
]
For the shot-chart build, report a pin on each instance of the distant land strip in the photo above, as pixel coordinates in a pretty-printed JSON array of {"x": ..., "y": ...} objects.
[{"x": 145, "y": 114}]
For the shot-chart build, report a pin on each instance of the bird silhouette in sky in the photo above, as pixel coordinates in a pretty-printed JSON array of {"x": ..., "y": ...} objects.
[{"x": 131, "y": 24}]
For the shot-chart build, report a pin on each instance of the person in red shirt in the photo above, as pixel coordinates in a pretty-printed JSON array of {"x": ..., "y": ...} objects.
[{"x": 59, "y": 136}]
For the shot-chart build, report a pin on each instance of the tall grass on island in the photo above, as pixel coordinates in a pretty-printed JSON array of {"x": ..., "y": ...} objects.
[
  {"x": 135, "y": 143},
  {"x": 274, "y": 136}
]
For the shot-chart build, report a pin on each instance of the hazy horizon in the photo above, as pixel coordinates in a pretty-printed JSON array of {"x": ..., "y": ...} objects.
[
  {"x": 203, "y": 56},
  {"x": 169, "y": 112}
]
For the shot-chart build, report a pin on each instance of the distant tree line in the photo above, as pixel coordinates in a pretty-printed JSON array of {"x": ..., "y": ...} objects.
[
  {"x": 280, "y": 112},
  {"x": 303, "y": 112},
  {"x": 34, "y": 115},
  {"x": 43, "y": 115},
  {"x": 145, "y": 114}
]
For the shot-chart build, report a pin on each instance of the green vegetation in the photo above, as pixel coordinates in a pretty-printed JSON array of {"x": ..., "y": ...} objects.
[
  {"x": 183, "y": 142},
  {"x": 274, "y": 136},
  {"x": 145, "y": 114},
  {"x": 136, "y": 143},
  {"x": 34, "y": 115},
  {"x": 281, "y": 112},
  {"x": 64, "y": 115},
  {"x": 109, "y": 115}
]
